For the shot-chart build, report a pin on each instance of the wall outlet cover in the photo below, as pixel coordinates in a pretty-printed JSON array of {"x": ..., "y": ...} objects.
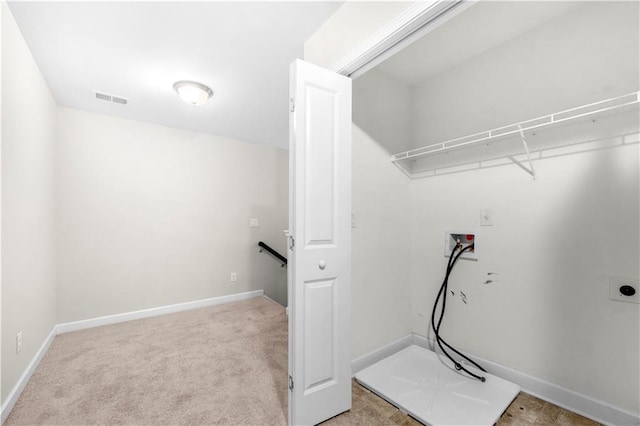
[{"x": 18, "y": 342}]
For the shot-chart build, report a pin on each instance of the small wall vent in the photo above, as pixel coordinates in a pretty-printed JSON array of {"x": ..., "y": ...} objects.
[{"x": 111, "y": 98}]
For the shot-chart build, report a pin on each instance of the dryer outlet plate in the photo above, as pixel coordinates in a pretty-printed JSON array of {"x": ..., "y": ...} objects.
[{"x": 614, "y": 290}]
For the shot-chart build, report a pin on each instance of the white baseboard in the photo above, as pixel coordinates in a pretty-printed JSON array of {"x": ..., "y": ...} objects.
[
  {"x": 379, "y": 354},
  {"x": 15, "y": 393},
  {"x": 273, "y": 301},
  {"x": 562, "y": 397},
  {"x": 154, "y": 312}
]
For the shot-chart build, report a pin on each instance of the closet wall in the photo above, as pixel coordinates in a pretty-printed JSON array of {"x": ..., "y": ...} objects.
[
  {"x": 555, "y": 241},
  {"x": 381, "y": 252}
]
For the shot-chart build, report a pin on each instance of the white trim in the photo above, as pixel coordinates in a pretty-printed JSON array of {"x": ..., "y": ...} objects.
[
  {"x": 272, "y": 301},
  {"x": 15, "y": 393},
  {"x": 408, "y": 26},
  {"x": 154, "y": 312},
  {"x": 379, "y": 354},
  {"x": 578, "y": 403}
]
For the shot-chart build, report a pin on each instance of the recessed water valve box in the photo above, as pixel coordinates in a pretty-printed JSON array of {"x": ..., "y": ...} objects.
[{"x": 464, "y": 238}]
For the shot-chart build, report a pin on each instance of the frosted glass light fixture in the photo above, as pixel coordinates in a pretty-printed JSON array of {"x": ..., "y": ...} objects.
[{"x": 192, "y": 92}]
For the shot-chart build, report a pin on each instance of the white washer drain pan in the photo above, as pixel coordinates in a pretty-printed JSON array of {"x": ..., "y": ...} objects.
[{"x": 419, "y": 382}]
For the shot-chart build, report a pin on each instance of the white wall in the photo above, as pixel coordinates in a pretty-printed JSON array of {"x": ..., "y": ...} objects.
[
  {"x": 150, "y": 215},
  {"x": 28, "y": 260},
  {"x": 382, "y": 106},
  {"x": 381, "y": 252}
]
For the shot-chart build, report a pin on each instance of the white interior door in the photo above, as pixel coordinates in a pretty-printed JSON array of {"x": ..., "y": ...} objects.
[{"x": 320, "y": 244}]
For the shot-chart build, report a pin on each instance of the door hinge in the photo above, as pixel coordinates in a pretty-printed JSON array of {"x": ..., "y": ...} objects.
[
  {"x": 292, "y": 105},
  {"x": 292, "y": 242},
  {"x": 290, "y": 383}
]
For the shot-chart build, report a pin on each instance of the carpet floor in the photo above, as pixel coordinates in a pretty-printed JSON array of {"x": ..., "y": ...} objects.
[{"x": 225, "y": 364}]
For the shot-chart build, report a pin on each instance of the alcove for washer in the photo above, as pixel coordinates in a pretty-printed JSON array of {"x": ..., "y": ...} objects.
[{"x": 528, "y": 110}]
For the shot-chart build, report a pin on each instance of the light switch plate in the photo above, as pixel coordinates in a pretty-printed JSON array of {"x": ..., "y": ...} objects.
[{"x": 254, "y": 222}]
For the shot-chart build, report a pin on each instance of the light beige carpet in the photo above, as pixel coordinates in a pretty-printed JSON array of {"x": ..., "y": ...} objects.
[{"x": 221, "y": 365}]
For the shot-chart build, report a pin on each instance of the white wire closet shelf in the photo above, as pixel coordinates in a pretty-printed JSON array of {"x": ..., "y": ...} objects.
[{"x": 525, "y": 141}]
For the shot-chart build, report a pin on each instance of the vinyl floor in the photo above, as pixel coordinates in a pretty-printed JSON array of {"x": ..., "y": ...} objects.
[{"x": 370, "y": 409}]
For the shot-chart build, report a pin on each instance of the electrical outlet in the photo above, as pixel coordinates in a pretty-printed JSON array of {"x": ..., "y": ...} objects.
[
  {"x": 233, "y": 277},
  {"x": 254, "y": 222},
  {"x": 624, "y": 290},
  {"x": 19, "y": 342}
]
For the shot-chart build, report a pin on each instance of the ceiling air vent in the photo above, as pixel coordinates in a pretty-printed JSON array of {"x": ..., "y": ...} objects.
[
  {"x": 111, "y": 98},
  {"x": 103, "y": 96}
]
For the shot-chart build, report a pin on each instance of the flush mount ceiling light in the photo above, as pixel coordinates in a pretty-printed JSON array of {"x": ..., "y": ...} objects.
[{"x": 192, "y": 92}]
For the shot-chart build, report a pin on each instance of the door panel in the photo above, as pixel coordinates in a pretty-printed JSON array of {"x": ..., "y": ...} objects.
[
  {"x": 319, "y": 321},
  {"x": 320, "y": 252},
  {"x": 320, "y": 179}
]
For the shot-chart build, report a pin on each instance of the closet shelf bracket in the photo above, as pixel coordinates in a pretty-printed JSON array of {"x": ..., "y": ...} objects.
[{"x": 530, "y": 170}]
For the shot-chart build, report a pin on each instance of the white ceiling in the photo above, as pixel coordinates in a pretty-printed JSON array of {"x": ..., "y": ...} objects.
[
  {"x": 137, "y": 50},
  {"x": 476, "y": 29}
]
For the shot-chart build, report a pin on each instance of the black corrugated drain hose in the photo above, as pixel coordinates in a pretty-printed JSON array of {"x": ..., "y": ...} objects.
[{"x": 455, "y": 255}]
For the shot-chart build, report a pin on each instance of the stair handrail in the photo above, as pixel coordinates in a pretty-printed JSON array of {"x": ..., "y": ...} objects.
[{"x": 281, "y": 258}]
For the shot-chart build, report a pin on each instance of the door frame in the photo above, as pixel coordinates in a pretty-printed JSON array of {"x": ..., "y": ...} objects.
[{"x": 413, "y": 23}]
